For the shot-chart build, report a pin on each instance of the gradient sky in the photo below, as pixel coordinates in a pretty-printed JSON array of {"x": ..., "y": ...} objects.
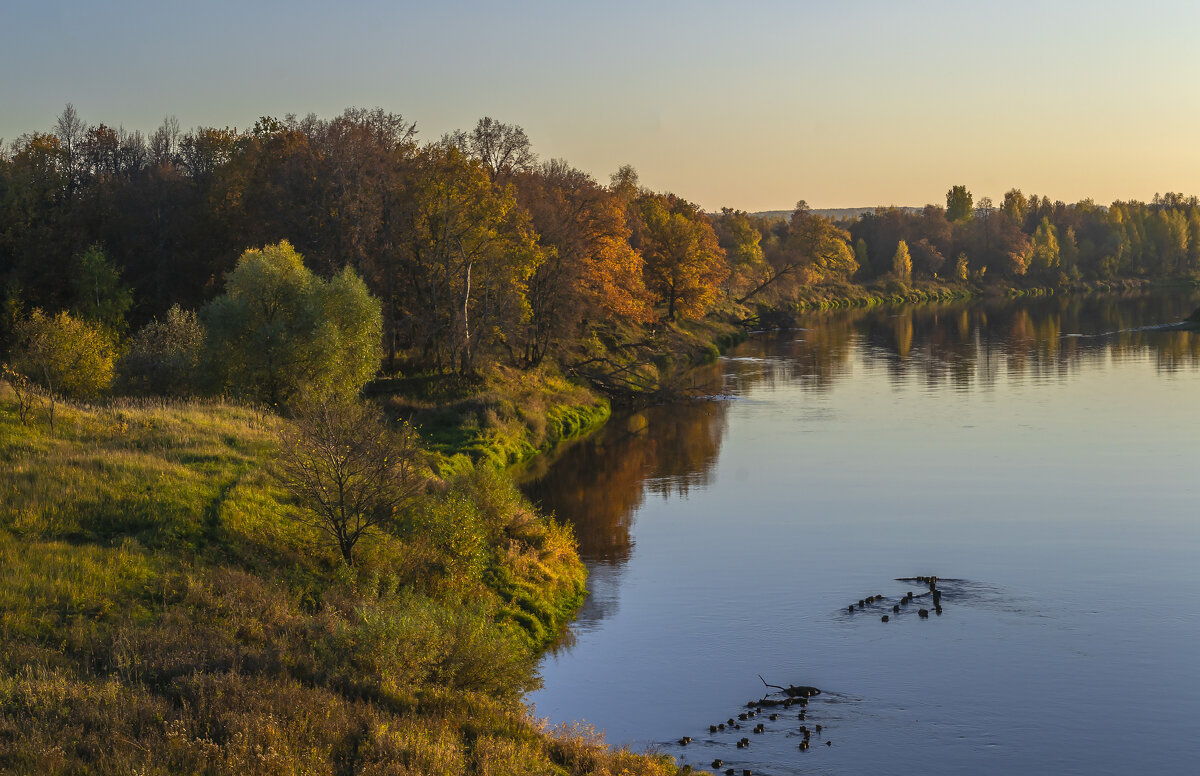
[{"x": 750, "y": 105}]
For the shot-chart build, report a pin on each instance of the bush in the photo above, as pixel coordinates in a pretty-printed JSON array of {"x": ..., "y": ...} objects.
[
  {"x": 64, "y": 356},
  {"x": 279, "y": 331},
  {"x": 164, "y": 356},
  {"x": 393, "y": 647}
]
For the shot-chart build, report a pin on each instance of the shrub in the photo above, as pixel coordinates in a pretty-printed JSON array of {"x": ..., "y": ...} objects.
[
  {"x": 279, "y": 331},
  {"x": 64, "y": 356},
  {"x": 164, "y": 356}
]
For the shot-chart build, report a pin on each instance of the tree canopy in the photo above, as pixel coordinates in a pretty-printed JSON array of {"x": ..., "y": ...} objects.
[{"x": 279, "y": 330}]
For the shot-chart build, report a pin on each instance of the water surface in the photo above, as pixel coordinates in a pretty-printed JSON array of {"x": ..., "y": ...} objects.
[{"x": 1040, "y": 454}]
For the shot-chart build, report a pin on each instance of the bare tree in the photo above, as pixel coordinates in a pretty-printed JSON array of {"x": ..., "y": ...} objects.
[
  {"x": 350, "y": 471},
  {"x": 24, "y": 389},
  {"x": 164, "y": 143},
  {"x": 504, "y": 149},
  {"x": 71, "y": 131}
]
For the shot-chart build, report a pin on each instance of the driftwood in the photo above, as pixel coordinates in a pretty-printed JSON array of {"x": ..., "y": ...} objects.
[{"x": 793, "y": 691}]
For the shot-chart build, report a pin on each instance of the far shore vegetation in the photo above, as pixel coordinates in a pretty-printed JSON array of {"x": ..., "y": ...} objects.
[{"x": 262, "y": 388}]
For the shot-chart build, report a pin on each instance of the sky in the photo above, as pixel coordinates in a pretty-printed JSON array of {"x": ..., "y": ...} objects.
[{"x": 751, "y": 105}]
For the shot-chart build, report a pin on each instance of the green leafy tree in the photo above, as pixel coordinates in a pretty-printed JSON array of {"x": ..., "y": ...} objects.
[
  {"x": 100, "y": 296},
  {"x": 64, "y": 356},
  {"x": 1069, "y": 253},
  {"x": 349, "y": 471},
  {"x": 861, "y": 256},
  {"x": 959, "y": 204},
  {"x": 279, "y": 330}
]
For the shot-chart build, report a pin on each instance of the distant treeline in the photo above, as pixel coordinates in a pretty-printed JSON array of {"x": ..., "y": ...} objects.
[{"x": 478, "y": 251}]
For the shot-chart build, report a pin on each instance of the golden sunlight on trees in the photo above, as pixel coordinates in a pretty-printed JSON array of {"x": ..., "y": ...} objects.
[
  {"x": 902, "y": 263},
  {"x": 590, "y": 273},
  {"x": 741, "y": 240},
  {"x": 685, "y": 265},
  {"x": 807, "y": 248},
  {"x": 469, "y": 255},
  {"x": 64, "y": 356},
  {"x": 348, "y": 470},
  {"x": 1044, "y": 257}
]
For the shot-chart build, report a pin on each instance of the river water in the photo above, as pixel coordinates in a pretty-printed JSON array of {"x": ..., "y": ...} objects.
[{"x": 1039, "y": 457}]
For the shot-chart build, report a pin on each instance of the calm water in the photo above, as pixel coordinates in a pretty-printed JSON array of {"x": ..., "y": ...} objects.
[{"x": 1040, "y": 457}]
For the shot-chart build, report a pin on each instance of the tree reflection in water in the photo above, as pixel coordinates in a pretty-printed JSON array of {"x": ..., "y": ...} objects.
[{"x": 598, "y": 484}]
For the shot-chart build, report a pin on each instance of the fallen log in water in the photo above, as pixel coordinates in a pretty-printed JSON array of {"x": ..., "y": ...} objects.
[{"x": 793, "y": 691}]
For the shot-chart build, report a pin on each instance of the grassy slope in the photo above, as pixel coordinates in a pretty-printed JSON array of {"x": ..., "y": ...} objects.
[
  {"x": 162, "y": 611},
  {"x": 502, "y": 419}
]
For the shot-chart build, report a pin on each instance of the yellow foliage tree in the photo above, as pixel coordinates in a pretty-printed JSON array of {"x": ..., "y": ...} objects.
[
  {"x": 64, "y": 356},
  {"x": 902, "y": 263},
  {"x": 685, "y": 265}
]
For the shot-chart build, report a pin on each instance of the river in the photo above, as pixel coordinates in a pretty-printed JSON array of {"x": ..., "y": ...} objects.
[{"x": 1038, "y": 456}]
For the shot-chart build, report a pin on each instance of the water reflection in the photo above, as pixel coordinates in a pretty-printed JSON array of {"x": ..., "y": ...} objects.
[
  {"x": 974, "y": 344},
  {"x": 599, "y": 485},
  {"x": 1040, "y": 448}
]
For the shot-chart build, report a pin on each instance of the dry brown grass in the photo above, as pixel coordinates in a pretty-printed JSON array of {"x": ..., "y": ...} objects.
[{"x": 161, "y": 612}]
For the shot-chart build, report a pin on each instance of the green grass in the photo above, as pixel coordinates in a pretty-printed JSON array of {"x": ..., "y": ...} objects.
[
  {"x": 499, "y": 421},
  {"x": 163, "y": 611}
]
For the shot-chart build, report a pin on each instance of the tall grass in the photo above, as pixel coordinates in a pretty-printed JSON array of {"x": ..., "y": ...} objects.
[{"x": 162, "y": 611}]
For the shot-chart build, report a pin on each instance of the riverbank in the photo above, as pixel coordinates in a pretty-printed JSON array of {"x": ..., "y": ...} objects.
[
  {"x": 505, "y": 416},
  {"x": 841, "y": 296},
  {"x": 163, "y": 609}
]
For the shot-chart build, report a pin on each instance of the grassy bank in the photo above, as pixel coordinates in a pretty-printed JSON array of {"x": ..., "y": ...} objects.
[
  {"x": 498, "y": 420},
  {"x": 507, "y": 416},
  {"x": 162, "y": 610},
  {"x": 832, "y": 297}
]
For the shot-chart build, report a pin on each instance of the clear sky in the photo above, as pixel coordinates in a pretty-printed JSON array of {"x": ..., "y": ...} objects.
[{"x": 750, "y": 104}]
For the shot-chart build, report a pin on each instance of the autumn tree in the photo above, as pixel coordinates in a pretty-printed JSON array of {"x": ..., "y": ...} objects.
[
  {"x": 961, "y": 267},
  {"x": 469, "y": 255},
  {"x": 880, "y": 230},
  {"x": 1044, "y": 256},
  {"x": 902, "y": 263},
  {"x": 685, "y": 265},
  {"x": 590, "y": 273},
  {"x": 350, "y": 472},
  {"x": 741, "y": 239},
  {"x": 64, "y": 356}
]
